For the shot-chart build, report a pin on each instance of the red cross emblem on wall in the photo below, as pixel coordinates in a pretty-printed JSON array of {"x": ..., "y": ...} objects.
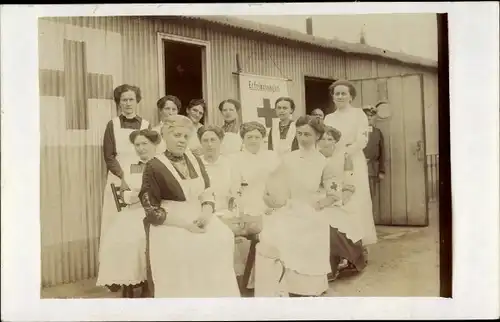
[
  {"x": 267, "y": 112},
  {"x": 76, "y": 85}
]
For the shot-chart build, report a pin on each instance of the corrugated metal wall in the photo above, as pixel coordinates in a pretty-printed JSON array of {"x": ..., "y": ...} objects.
[{"x": 125, "y": 48}]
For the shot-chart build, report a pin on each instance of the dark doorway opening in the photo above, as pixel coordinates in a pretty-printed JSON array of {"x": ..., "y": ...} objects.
[
  {"x": 183, "y": 71},
  {"x": 317, "y": 95}
]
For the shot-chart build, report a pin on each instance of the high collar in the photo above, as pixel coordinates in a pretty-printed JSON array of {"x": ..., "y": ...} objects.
[
  {"x": 135, "y": 117},
  {"x": 231, "y": 126}
]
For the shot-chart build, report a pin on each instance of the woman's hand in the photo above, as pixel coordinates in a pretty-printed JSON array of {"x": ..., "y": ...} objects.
[
  {"x": 123, "y": 185},
  {"x": 194, "y": 228},
  {"x": 269, "y": 211},
  {"x": 203, "y": 220},
  {"x": 197, "y": 151},
  {"x": 319, "y": 205}
]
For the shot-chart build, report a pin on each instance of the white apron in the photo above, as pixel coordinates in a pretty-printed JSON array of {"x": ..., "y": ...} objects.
[
  {"x": 283, "y": 146},
  {"x": 232, "y": 143},
  {"x": 186, "y": 264},
  {"x": 297, "y": 235},
  {"x": 122, "y": 254},
  {"x": 124, "y": 151}
]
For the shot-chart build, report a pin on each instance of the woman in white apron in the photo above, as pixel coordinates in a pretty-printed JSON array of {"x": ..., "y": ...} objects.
[
  {"x": 117, "y": 147},
  {"x": 353, "y": 124},
  {"x": 190, "y": 250},
  {"x": 252, "y": 167},
  {"x": 232, "y": 142},
  {"x": 223, "y": 184},
  {"x": 167, "y": 106},
  {"x": 122, "y": 255},
  {"x": 295, "y": 235},
  {"x": 346, "y": 247},
  {"x": 282, "y": 137},
  {"x": 196, "y": 111}
]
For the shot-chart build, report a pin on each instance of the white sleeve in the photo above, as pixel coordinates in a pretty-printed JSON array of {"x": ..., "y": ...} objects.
[
  {"x": 362, "y": 134},
  {"x": 130, "y": 197}
]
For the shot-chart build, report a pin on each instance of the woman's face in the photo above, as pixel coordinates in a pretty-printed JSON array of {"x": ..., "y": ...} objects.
[
  {"x": 252, "y": 141},
  {"x": 168, "y": 109},
  {"x": 195, "y": 113},
  {"x": 210, "y": 143},
  {"x": 341, "y": 96},
  {"x": 372, "y": 119},
  {"x": 318, "y": 113},
  {"x": 229, "y": 112},
  {"x": 144, "y": 148},
  {"x": 177, "y": 138},
  {"x": 306, "y": 136},
  {"x": 128, "y": 103},
  {"x": 284, "y": 110},
  {"x": 327, "y": 145}
]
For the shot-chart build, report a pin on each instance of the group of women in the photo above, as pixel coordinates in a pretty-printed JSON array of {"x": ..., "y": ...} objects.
[{"x": 181, "y": 180}]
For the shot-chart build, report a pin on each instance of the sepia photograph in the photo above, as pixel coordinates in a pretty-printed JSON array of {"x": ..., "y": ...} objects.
[{"x": 239, "y": 156}]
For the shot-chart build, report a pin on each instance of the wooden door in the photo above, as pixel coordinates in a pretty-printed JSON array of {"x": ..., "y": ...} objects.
[{"x": 401, "y": 198}]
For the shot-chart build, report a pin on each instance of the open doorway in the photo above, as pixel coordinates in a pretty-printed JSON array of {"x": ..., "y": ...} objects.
[
  {"x": 183, "y": 71},
  {"x": 317, "y": 95}
]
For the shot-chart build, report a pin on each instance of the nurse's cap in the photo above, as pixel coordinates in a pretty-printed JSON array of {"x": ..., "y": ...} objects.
[
  {"x": 175, "y": 121},
  {"x": 370, "y": 110}
]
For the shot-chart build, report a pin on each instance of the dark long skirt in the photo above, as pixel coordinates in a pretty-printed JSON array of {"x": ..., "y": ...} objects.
[
  {"x": 342, "y": 247},
  {"x": 150, "y": 284}
]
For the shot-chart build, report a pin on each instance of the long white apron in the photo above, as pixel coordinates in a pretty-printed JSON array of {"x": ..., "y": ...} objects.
[
  {"x": 186, "y": 264},
  {"x": 124, "y": 151},
  {"x": 122, "y": 254}
]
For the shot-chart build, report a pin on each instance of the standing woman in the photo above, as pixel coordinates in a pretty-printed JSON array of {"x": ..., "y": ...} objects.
[
  {"x": 353, "y": 124},
  {"x": 345, "y": 233},
  {"x": 196, "y": 111},
  {"x": 122, "y": 257},
  {"x": 282, "y": 135},
  {"x": 167, "y": 106},
  {"x": 117, "y": 147},
  {"x": 232, "y": 140},
  {"x": 190, "y": 251}
]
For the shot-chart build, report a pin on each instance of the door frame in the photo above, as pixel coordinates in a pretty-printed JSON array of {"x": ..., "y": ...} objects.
[
  {"x": 422, "y": 95},
  {"x": 206, "y": 66},
  {"x": 304, "y": 76}
]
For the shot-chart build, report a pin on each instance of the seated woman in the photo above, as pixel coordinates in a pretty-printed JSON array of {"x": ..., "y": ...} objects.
[
  {"x": 296, "y": 233},
  {"x": 345, "y": 232},
  {"x": 122, "y": 254},
  {"x": 252, "y": 166},
  {"x": 218, "y": 166},
  {"x": 190, "y": 251},
  {"x": 223, "y": 184}
]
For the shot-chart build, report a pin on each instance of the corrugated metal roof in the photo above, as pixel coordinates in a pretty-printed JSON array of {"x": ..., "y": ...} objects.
[{"x": 346, "y": 47}]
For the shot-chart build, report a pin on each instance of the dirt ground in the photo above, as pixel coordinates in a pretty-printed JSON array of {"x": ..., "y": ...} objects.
[{"x": 404, "y": 262}]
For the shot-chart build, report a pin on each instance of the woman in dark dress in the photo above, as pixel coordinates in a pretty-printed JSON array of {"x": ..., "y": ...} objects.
[
  {"x": 346, "y": 248},
  {"x": 190, "y": 251}
]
